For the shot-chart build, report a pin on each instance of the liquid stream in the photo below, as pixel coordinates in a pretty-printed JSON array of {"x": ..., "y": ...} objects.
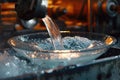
[
  {"x": 54, "y": 33},
  {"x": 55, "y": 36}
]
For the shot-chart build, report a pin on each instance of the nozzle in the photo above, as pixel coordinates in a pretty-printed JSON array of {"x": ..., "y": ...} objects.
[{"x": 29, "y": 9}]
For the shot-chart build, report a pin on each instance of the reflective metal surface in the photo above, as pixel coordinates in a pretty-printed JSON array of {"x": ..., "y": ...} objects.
[{"x": 29, "y": 24}]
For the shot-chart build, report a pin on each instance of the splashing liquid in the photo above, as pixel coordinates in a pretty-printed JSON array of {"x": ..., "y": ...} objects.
[{"x": 54, "y": 33}]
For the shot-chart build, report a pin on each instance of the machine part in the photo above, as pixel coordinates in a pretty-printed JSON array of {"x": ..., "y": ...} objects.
[
  {"x": 86, "y": 12},
  {"x": 56, "y": 11},
  {"x": 104, "y": 15},
  {"x": 3, "y": 1},
  {"x": 107, "y": 5},
  {"x": 76, "y": 14},
  {"x": 30, "y": 9},
  {"x": 29, "y": 24}
]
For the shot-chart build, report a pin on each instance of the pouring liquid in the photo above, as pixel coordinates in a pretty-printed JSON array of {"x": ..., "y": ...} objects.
[
  {"x": 54, "y": 33},
  {"x": 55, "y": 36}
]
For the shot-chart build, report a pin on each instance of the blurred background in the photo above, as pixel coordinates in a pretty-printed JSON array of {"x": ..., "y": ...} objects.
[
  {"x": 18, "y": 17},
  {"x": 100, "y": 16}
]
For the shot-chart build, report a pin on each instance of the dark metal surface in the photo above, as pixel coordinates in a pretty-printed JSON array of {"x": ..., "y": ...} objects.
[{"x": 30, "y": 9}]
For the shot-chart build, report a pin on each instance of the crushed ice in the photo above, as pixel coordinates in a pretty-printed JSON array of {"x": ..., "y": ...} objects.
[
  {"x": 11, "y": 66},
  {"x": 71, "y": 43}
]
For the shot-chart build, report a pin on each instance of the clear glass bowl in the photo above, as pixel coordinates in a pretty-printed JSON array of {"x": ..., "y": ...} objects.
[{"x": 94, "y": 45}]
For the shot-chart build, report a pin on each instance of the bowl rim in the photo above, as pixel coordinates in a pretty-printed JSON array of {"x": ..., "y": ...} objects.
[{"x": 65, "y": 51}]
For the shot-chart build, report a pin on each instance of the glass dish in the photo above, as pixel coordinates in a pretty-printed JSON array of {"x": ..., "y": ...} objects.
[{"x": 28, "y": 46}]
